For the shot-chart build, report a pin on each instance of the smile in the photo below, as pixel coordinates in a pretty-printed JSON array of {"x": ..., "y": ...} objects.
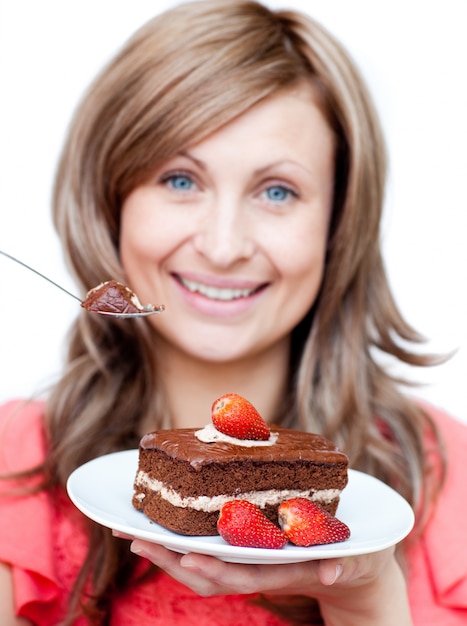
[{"x": 216, "y": 293}]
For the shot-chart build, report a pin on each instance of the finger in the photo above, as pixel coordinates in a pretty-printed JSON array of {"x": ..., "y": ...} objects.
[
  {"x": 120, "y": 535},
  {"x": 170, "y": 562},
  {"x": 353, "y": 568},
  {"x": 251, "y": 578},
  {"x": 235, "y": 577},
  {"x": 329, "y": 571},
  {"x": 157, "y": 554}
]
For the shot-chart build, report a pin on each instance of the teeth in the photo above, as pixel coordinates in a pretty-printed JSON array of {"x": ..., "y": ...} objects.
[{"x": 216, "y": 293}]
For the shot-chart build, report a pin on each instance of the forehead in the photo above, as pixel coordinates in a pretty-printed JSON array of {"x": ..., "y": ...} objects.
[{"x": 288, "y": 124}]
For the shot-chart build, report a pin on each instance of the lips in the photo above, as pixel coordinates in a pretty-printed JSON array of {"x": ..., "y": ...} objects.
[{"x": 215, "y": 292}]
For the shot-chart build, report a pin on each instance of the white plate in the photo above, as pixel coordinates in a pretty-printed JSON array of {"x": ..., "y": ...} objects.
[{"x": 377, "y": 516}]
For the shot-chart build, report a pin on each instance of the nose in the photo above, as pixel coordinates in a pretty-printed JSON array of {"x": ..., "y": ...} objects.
[{"x": 224, "y": 235}]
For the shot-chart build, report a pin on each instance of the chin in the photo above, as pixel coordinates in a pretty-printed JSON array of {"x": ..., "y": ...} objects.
[
  {"x": 217, "y": 345},
  {"x": 215, "y": 354}
]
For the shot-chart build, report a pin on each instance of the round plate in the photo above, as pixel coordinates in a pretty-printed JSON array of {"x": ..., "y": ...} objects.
[{"x": 378, "y": 517}]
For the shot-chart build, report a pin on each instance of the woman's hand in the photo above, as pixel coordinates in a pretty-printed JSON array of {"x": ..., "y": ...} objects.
[{"x": 360, "y": 590}]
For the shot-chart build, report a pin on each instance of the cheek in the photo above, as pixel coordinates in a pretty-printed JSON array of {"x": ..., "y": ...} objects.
[
  {"x": 301, "y": 267},
  {"x": 300, "y": 253},
  {"x": 143, "y": 233},
  {"x": 133, "y": 224},
  {"x": 301, "y": 282}
]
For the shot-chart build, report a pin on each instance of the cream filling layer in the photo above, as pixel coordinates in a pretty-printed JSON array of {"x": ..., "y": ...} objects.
[{"x": 208, "y": 504}]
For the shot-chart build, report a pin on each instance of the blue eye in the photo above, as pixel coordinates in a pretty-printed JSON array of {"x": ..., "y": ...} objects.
[
  {"x": 278, "y": 193},
  {"x": 179, "y": 182}
]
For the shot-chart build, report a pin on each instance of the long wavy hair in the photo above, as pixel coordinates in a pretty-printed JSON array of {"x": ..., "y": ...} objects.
[{"x": 181, "y": 77}]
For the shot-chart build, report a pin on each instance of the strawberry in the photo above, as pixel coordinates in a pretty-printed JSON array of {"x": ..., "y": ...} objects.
[
  {"x": 236, "y": 417},
  {"x": 242, "y": 523},
  {"x": 306, "y": 524}
]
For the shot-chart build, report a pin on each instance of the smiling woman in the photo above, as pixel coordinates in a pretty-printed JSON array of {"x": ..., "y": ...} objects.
[{"x": 229, "y": 163}]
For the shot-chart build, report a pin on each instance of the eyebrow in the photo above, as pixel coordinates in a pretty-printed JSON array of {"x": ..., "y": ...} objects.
[
  {"x": 258, "y": 172},
  {"x": 199, "y": 163},
  {"x": 262, "y": 170}
]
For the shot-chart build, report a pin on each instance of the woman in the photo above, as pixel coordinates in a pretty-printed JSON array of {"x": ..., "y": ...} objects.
[{"x": 228, "y": 163}]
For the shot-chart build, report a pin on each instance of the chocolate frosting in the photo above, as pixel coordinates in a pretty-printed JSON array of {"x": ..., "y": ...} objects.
[{"x": 291, "y": 445}]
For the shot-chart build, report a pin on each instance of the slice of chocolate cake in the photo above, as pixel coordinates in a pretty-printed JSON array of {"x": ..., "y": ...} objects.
[
  {"x": 111, "y": 297},
  {"x": 182, "y": 482}
]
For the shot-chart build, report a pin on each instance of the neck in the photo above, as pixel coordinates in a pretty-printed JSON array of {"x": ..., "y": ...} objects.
[{"x": 191, "y": 386}]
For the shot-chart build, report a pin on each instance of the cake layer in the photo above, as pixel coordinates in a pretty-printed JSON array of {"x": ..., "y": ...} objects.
[{"x": 182, "y": 482}]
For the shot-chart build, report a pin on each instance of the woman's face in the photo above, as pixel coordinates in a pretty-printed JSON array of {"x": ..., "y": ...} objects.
[{"x": 231, "y": 234}]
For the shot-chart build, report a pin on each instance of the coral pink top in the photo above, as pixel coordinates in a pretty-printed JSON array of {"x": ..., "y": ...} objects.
[{"x": 43, "y": 540}]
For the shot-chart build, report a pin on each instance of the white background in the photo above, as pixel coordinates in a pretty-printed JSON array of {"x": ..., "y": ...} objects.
[{"x": 414, "y": 56}]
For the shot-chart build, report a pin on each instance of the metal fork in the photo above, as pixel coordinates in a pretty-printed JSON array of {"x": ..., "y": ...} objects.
[{"x": 148, "y": 309}]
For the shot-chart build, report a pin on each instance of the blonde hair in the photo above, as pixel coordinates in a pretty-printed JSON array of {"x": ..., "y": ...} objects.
[{"x": 181, "y": 77}]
